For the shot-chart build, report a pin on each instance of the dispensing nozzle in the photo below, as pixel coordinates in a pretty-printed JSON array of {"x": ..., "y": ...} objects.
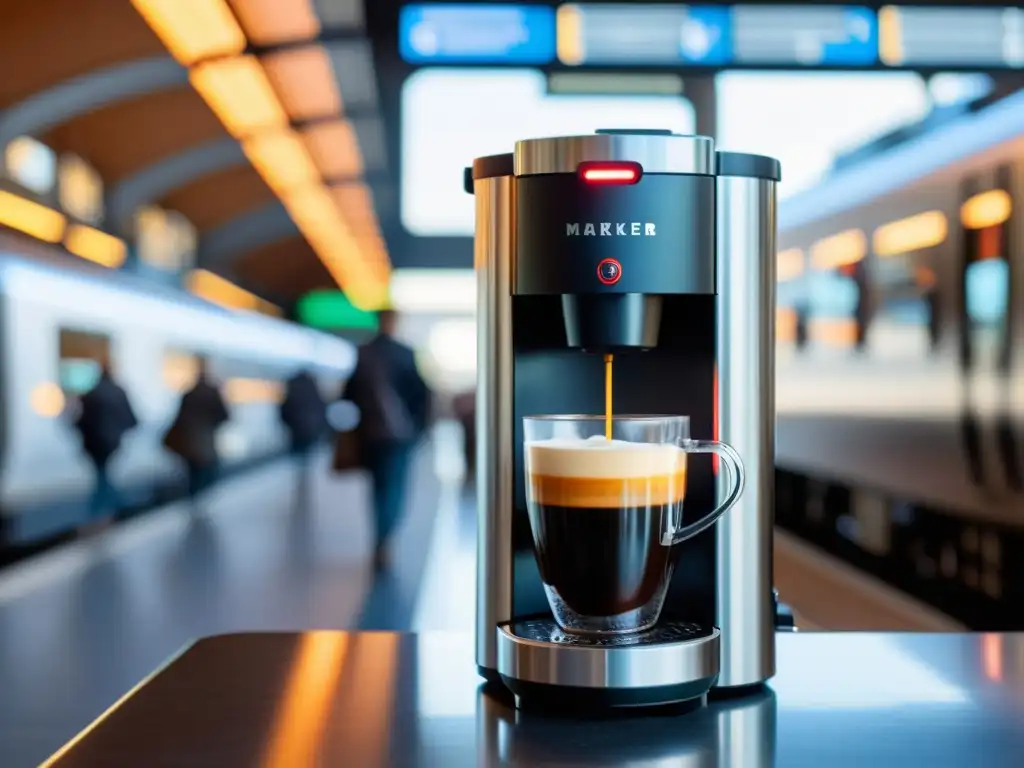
[{"x": 609, "y": 322}]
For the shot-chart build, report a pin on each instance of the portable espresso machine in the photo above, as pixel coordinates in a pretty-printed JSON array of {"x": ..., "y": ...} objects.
[{"x": 656, "y": 249}]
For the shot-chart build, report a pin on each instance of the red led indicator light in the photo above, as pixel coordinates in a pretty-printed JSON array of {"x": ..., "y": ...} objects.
[
  {"x": 610, "y": 173},
  {"x": 609, "y": 271}
]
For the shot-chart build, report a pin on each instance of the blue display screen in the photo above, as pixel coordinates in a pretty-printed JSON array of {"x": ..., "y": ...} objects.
[
  {"x": 477, "y": 34},
  {"x": 797, "y": 35},
  {"x": 804, "y": 35}
]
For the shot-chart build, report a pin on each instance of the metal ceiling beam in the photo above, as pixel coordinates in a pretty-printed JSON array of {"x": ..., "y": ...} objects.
[
  {"x": 244, "y": 233},
  {"x": 156, "y": 181},
  {"x": 345, "y": 14},
  {"x": 67, "y": 100}
]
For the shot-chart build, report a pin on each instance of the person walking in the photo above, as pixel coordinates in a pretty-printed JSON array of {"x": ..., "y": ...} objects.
[
  {"x": 393, "y": 402},
  {"x": 105, "y": 416},
  {"x": 304, "y": 412},
  {"x": 193, "y": 434}
]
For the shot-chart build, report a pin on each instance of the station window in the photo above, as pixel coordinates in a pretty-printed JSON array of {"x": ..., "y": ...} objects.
[
  {"x": 807, "y": 119},
  {"x": 450, "y": 117},
  {"x": 82, "y": 357}
]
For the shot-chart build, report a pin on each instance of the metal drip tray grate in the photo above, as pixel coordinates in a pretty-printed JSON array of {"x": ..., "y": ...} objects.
[{"x": 545, "y": 630}]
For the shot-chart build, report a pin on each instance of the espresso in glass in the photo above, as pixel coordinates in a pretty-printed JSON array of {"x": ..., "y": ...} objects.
[{"x": 606, "y": 515}]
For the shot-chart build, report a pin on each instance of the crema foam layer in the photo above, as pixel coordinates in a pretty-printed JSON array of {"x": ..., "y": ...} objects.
[{"x": 605, "y": 473}]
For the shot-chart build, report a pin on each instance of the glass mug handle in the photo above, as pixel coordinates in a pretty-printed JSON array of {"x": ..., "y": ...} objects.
[{"x": 673, "y": 533}]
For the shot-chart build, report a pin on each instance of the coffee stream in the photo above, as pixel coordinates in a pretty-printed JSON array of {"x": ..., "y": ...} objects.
[{"x": 608, "y": 396}]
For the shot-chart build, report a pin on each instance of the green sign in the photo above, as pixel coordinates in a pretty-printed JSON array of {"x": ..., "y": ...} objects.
[{"x": 331, "y": 310}]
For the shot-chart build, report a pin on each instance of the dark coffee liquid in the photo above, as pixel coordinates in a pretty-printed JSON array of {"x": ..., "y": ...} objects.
[{"x": 602, "y": 560}]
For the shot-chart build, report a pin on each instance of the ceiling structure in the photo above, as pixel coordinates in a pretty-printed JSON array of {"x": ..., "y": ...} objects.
[{"x": 255, "y": 119}]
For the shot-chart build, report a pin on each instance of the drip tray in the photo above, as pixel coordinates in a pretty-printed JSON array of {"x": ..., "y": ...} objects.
[
  {"x": 675, "y": 661},
  {"x": 546, "y": 630}
]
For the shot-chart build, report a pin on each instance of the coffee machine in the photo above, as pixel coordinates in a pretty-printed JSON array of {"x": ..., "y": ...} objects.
[{"x": 656, "y": 248}]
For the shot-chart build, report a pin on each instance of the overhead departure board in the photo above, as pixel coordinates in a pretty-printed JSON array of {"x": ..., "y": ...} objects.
[
  {"x": 744, "y": 35},
  {"x": 477, "y": 34},
  {"x": 638, "y": 34},
  {"x": 951, "y": 37},
  {"x": 804, "y": 35}
]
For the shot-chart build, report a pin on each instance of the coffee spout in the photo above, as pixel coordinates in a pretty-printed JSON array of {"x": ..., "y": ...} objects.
[{"x": 606, "y": 323}]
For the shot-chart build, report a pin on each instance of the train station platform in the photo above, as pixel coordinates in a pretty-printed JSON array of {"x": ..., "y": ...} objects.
[{"x": 83, "y": 623}]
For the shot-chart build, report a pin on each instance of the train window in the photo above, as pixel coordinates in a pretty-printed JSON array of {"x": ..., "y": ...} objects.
[
  {"x": 246, "y": 391},
  {"x": 181, "y": 370},
  {"x": 987, "y": 289},
  {"x": 790, "y": 315},
  {"x": 834, "y": 302},
  {"x": 250, "y": 382},
  {"x": 986, "y": 278},
  {"x": 905, "y": 317},
  {"x": 82, "y": 357},
  {"x": 791, "y": 308},
  {"x": 987, "y": 300},
  {"x": 242, "y": 382}
]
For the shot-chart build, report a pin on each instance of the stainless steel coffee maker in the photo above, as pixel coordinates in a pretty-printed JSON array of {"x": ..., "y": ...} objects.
[{"x": 656, "y": 248}]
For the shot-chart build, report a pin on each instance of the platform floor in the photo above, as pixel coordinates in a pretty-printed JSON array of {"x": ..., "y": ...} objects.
[{"x": 80, "y": 625}]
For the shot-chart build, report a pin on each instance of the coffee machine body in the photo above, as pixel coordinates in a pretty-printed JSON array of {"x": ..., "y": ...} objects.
[{"x": 656, "y": 249}]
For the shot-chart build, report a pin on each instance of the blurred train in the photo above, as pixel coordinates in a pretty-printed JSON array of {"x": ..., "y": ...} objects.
[
  {"x": 901, "y": 320},
  {"x": 59, "y": 320}
]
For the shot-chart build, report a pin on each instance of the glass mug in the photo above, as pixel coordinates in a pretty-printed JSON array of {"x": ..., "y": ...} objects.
[{"x": 606, "y": 516}]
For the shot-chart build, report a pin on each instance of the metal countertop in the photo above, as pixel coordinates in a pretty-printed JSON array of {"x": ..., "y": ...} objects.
[{"x": 378, "y": 698}]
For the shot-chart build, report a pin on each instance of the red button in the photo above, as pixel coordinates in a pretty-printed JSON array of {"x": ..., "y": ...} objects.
[{"x": 609, "y": 271}]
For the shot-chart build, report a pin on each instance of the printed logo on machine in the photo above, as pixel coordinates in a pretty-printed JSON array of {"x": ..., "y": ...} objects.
[{"x": 610, "y": 229}]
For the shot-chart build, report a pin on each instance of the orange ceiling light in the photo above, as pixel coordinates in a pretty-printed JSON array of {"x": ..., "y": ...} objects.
[
  {"x": 238, "y": 92},
  {"x": 217, "y": 290},
  {"x": 31, "y": 218},
  {"x": 356, "y": 205},
  {"x": 313, "y": 212},
  {"x": 361, "y": 271},
  {"x": 335, "y": 149},
  {"x": 305, "y": 81},
  {"x": 273, "y": 22},
  {"x": 96, "y": 246},
  {"x": 281, "y": 159},
  {"x": 193, "y": 30}
]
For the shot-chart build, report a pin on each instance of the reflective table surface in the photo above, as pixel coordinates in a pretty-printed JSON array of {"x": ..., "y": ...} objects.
[{"x": 377, "y": 698}]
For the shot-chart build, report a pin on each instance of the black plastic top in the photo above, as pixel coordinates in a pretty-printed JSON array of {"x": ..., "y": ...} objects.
[
  {"x": 727, "y": 163},
  {"x": 748, "y": 166},
  {"x": 635, "y": 131}
]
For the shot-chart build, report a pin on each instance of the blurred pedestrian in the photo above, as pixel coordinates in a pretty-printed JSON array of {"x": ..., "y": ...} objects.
[
  {"x": 193, "y": 434},
  {"x": 105, "y": 416},
  {"x": 393, "y": 402},
  {"x": 304, "y": 413}
]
